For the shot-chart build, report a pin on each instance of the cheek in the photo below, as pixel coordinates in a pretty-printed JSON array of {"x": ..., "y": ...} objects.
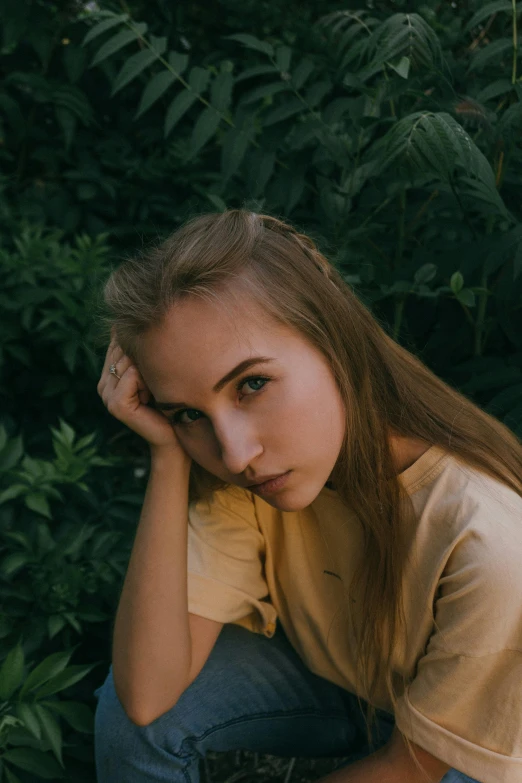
[{"x": 196, "y": 447}]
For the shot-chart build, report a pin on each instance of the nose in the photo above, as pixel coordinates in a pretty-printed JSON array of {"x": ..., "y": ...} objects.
[{"x": 238, "y": 444}]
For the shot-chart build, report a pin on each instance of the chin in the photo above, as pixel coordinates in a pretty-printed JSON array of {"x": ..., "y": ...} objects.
[{"x": 289, "y": 501}]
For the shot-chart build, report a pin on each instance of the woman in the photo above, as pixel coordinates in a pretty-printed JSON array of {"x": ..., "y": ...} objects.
[{"x": 377, "y": 581}]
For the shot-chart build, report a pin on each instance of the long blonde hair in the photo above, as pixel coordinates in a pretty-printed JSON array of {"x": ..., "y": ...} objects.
[{"x": 385, "y": 389}]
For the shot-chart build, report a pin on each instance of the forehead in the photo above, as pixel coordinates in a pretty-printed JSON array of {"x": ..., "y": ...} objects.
[{"x": 201, "y": 339}]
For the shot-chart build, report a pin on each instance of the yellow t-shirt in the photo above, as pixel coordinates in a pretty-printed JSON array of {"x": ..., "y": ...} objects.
[{"x": 251, "y": 564}]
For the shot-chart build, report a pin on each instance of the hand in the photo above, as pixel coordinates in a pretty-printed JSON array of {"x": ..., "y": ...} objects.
[{"x": 126, "y": 399}]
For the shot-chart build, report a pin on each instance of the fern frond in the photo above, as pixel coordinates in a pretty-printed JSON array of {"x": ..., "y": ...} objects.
[
  {"x": 405, "y": 35},
  {"x": 348, "y": 33}
]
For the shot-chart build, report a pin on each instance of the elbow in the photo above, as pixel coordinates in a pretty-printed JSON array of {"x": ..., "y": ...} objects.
[
  {"x": 142, "y": 713},
  {"x": 143, "y": 717},
  {"x": 143, "y": 707},
  {"x": 140, "y": 719}
]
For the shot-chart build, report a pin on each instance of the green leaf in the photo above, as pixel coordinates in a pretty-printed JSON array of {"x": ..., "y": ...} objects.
[
  {"x": 517, "y": 262},
  {"x": 12, "y": 492},
  {"x": 402, "y": 67},
  {"x": 63, "y": 680},
  {"x": 217, "y": 201},
  {"x": 493, "y": 90},
  {"x": 71, "y": 619},
  {"x": 288, "y": 109},
  {"x": 233, "y": 151},
  {"x": 493, "y": 51},
  {"x": 102, "y": 27},
  {"x": 77, "y": 715},
  {"x": 179, "y": 106},
  {"x": 260, "y": 171},
  {"x": 11, "y": 672},
  {"x": 20, "y": 538},
  {"x": 204, "y": 129},
  {"x": 55, "y": 623},
  {"x": 283, "y": 57},
  {"x": 504, "y": 400},
  {"x": 221, "y": 91},
  {"x": 13, "y": 562},
  {"x": 35, "y": 761},
  {"x": 252, "y": 43},
  {"x": 66, "y": 432},
  {"x": 10, "y": 777},
  {"x": 159, "y": 83},
  {"x": 138, "y": 63},
  {"x": 316, "y": 92},
  {"x": 425, "y": 273},
  {"x": 11, "y": 454},
  {"x": 456, "y": 282},
  {"x": 118, "y": 41},
  {"x": 404, "y": 35},
  {"x": 302, "y": 72},
  {"x": 27, "y": 714},
  {"x": 256, "y": 70},
  {"x": 486, "y": 11},
  {"x": 67, "y": 122},
  {"x": 50, "y": 730},
  {"x": 74, "y": 62},
  {"x": 264, "y": 91},
  {"x": 45, "y": 671},
  {"x": 37, "y": 501},
  {"x": 198, "y": 79},
  {"x": 466, "y": 297},
  {"x": 178, "y": 62}
]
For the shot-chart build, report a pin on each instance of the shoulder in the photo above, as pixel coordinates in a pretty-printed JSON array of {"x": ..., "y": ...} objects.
[
  {"x": 225, "y": 506},
  {"x": 480, "y": 573}
]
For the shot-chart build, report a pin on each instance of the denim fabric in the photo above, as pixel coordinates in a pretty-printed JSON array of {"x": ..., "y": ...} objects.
[{"x": 253, "y": 693}]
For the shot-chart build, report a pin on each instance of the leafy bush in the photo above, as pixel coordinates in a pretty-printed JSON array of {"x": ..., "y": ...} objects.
[
  {"x": 62, "y": 557},
  {"x": 392, "y": 137}
]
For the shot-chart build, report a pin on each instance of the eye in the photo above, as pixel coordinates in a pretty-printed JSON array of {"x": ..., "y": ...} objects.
[{"x": 177, "y": 420}]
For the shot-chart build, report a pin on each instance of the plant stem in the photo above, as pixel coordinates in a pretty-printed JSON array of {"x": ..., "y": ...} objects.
[
  {"x": 464, "y": 213},
  {"x": 482, "y": 299},
  {"x": 515, "y": 46},
  {"x": 392, "y": 104},
  {"x": 400, "y": 227}
]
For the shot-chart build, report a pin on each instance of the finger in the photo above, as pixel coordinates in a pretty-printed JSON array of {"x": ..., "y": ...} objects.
[
  {"x": 113, "y": 356},
  {"x": 144, "y": 392},
  {"x": 120, "y": 360},
  {"x": 120, "y": 394},
  {"x": 110, "y": 380}
]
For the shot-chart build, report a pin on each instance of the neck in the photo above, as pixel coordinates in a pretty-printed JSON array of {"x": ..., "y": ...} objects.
[{"x": 405, "y": 451}]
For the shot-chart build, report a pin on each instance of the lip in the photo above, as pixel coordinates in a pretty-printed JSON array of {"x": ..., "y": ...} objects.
[{"x": 271, "y": 485}]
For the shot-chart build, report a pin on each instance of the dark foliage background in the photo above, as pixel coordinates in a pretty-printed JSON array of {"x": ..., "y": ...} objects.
[{"x": 390, "y": 131}]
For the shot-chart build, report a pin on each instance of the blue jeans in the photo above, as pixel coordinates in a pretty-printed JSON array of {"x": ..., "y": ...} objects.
[{"x": 254, "y": 693}]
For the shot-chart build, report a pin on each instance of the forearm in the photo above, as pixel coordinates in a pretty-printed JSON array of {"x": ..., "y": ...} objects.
[{"x": 151, "y": 641}]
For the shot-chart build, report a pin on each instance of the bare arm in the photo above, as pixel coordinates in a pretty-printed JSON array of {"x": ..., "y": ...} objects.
[
  {"x": 152, "y": 642},
  {"x": 158, "y": 647}
]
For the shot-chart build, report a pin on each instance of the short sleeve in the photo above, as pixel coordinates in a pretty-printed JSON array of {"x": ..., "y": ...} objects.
[
  {"x": 226, "y": 552},
  {"x": 464, "y": 704}
]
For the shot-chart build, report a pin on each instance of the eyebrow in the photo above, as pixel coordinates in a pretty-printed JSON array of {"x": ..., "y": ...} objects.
[{"x": 238, "y": 369}]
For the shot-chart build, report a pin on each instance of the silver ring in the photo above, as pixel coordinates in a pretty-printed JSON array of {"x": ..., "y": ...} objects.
[{"x": 112, "y": 371}]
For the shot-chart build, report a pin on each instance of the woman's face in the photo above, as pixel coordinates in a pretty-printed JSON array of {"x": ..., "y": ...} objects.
[{"x": 288, "y": 417}]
